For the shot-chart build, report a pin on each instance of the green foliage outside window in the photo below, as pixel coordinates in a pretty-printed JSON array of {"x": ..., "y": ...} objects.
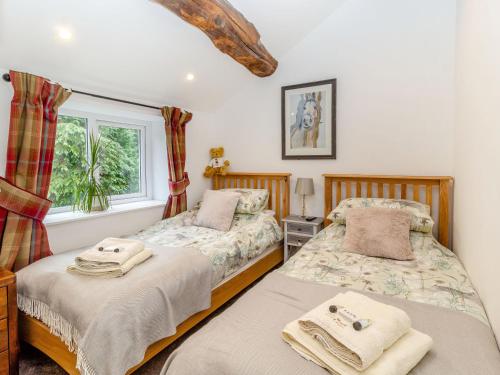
[
  {"x": 120, "y": 173},
  {"x": 120, "y": 169},
  {"x": 69, "y": 159}
]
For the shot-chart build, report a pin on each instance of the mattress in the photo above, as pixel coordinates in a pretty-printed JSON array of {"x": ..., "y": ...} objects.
[
  {"x": 435, "y": 277},
  {"x": 248, "y": 237}
]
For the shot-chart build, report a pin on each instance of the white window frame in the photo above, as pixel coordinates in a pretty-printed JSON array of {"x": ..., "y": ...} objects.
[{"x": 94, "y": 120}]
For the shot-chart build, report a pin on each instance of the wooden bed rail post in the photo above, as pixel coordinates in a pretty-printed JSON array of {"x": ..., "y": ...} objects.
[
  {"x": 287, "y": 197},
  {"x": 215, "y": 182},
  {"x": 328, "y": 199},
  {"x": 444, "y": 208}
]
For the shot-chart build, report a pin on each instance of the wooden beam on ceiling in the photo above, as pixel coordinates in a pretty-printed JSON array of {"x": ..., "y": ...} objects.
[{"x": 228, "y": 29}]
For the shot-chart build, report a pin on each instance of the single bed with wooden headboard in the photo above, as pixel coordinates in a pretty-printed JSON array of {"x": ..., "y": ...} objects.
[
  {"x": 37, "y": 334},
  {"x": 417, "y": 188}
]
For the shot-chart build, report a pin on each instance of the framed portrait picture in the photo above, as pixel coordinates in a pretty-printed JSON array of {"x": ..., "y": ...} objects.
[{"x": 308, "y": 120}]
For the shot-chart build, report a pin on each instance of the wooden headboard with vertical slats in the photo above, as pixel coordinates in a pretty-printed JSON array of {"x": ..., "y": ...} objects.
[
  {"x": 278, "y": 185},
  {"x": 417, "y": 188}
]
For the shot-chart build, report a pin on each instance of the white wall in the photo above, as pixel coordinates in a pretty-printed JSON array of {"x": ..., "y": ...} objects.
[
  {"x": 477, "y": 156},
  {"x": 394, "y": 61},
  {"x": 80, "y": 233},
  {"x": 86, "y": 232}
]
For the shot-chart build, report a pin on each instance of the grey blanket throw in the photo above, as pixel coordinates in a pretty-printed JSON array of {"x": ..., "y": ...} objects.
[
  {"x": 109, "y": 323},
  {"x": 246, "y": 338}
]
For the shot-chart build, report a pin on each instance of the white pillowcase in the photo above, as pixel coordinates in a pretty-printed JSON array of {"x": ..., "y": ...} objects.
[
  {"x": 421, "y": 221},
  {"x": 217, "y": 210},
  {"x": 252, "y": 201}
]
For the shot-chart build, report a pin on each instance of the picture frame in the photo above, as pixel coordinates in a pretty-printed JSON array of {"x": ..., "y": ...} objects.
[{"x": 308, "y": 120}]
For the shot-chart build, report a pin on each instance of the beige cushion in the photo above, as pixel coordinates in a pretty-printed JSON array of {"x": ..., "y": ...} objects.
[
  {"x": 378, "y": 232},
  {"x": 217, "y": 210}
]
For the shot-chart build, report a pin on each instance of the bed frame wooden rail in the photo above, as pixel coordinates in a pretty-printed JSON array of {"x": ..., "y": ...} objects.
[
  {"x": 37, "y": 334},
  {"x": 417, "y": 188}
]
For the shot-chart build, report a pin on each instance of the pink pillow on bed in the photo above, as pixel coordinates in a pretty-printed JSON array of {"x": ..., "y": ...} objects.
[
  {"x": 217, "y": 210},
  {"x": 378, "y": 232}
]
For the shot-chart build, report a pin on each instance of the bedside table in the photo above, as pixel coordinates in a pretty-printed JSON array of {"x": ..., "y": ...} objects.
[
  {"x": 298, "y": 231},
  {"x": 9, "y": 344}
]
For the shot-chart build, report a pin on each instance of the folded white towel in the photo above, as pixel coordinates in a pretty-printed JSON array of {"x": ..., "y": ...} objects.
[
  {"x": 112, "y": 271},
  {"x": 93, "y": 258},
  {"x": 399, "y": 359},
  {"x": 358, "y": 349}
]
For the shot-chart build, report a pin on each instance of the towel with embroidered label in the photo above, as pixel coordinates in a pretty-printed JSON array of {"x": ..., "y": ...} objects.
[
  {"x": 399, "y": 359},
  {"x": 335, "y": 332},
  {"x": 112, "y": 271},
  {"x": 110, "y": 252}
]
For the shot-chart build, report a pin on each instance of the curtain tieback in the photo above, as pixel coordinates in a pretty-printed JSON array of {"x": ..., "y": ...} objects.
[
  {"x": 22, "y": 202},
  {"x": 178, "y": 187}
]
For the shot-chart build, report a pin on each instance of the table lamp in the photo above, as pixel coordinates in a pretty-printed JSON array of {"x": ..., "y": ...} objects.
[{"x": 304, "y": 186}]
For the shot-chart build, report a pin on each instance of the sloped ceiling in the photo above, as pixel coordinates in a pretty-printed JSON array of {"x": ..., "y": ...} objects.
[{"x": 136, "y": 49}]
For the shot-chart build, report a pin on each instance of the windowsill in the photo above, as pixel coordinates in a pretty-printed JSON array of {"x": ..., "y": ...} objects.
[{"x": 66, "y": 217}]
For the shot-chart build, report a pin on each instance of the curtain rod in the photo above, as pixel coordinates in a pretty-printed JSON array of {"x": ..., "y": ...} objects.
[{"x": 6, "y": 78}]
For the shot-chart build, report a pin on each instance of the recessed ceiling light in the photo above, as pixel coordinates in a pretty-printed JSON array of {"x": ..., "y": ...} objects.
[
  {"x": 190, "y": 76},
  {"x": 64, "y": 33}
]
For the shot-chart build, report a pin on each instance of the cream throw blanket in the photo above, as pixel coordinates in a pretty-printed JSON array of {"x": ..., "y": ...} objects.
[
  {"x": 93, "y": 258},
  {"x": 358, "y": 349},
  {"x": 399, "y": 359},
  {"x": 112, "y": 271},
  {"x": 110, "y": 322}
]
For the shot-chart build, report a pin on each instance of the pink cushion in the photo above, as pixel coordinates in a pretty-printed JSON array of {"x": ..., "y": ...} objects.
[
  {"x": 378, "y": 232},
  {"x": 217, "y": 210}
]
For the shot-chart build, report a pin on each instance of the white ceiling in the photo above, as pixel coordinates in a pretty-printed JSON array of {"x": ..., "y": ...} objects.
[{"x": 138, "y": 50}]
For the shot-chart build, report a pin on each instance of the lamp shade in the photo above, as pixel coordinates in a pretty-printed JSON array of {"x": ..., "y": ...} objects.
[{"x": 305, "y": 186}]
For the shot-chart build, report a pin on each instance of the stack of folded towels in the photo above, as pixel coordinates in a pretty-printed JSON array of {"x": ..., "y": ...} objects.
[
  {"x": 112, "y": 257},
  {"x": 385, "y": 344}
]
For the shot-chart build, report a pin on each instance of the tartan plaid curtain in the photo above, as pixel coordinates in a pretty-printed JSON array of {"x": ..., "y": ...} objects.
[
  {"x": 175, "y": 130},
  {"x": 30, "y": 152}
]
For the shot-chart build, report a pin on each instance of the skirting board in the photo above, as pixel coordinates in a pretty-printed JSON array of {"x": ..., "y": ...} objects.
[{"x": 37, "y": 334}]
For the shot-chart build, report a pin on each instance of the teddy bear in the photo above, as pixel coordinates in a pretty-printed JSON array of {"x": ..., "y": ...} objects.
[{"x": 217, "y": 165}]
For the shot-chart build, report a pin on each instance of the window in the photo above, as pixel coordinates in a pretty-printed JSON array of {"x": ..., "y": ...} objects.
[
  {"x": 123, "y": 157},
  {"x": 69, "y": 159}
]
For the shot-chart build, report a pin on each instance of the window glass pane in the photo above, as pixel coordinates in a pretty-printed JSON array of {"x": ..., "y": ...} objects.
[
  {"x": 120, "y": 159},
  {"x": 69, "y": 159}
]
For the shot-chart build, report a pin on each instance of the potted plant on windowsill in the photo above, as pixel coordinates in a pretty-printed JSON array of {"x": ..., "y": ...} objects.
[{"x": 90, "y": 194}]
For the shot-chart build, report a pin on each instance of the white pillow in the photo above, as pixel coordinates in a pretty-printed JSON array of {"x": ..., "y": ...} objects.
[
  {"x": 252, "y": 201},
  {"x": 217, "y": 210},
  {"x": 421, "y": 220}
]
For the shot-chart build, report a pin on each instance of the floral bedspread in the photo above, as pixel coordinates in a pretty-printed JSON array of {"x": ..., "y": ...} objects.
[
  {"x": 436, "y": 276},
  {"x": 248, "y": 237}
]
